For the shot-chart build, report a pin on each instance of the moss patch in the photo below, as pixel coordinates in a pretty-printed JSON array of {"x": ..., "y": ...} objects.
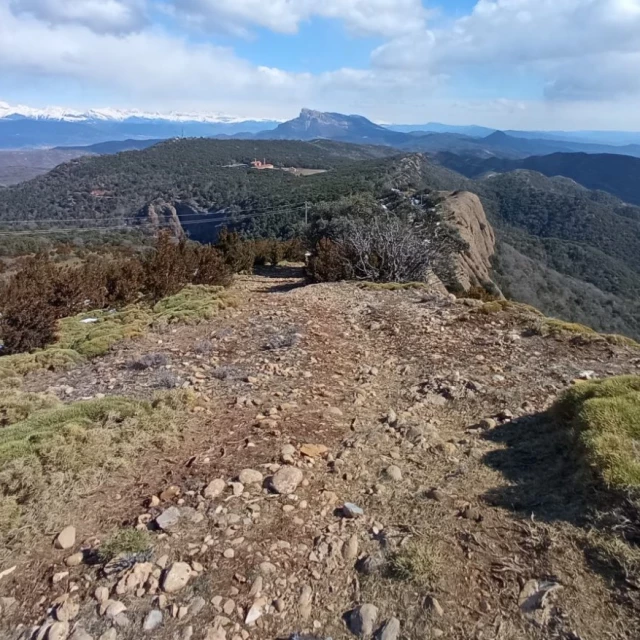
[
  {"x": 78, "y": 340},
  {"x": 604, "y": 416},
  {"x": 192, "y": 305},
  {"x": 46, "y": 457}
]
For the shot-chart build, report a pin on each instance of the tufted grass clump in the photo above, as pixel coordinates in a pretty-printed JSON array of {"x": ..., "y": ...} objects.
[
  {"x": 604, "y": 417},
  {"x": 125, "y": 541},
  {"x": 58, "y": 451},
  {"x": 417, "y": 562},
  {"x": 16, "y": 405}
]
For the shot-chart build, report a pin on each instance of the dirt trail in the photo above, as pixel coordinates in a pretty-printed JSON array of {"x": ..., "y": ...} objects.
[{"x": 461, "y": 519}]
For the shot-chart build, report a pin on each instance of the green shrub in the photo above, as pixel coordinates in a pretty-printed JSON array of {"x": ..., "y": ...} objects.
[
  {"x": 238, "y": 254},
  {"x": 328, "y": 263}
]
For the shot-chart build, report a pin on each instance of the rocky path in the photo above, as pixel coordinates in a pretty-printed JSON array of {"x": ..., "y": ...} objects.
[{"x": 359, "y": 461}]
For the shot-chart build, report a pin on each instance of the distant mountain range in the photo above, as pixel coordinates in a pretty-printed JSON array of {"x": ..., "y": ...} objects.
[{"x": 26, "y": 127}]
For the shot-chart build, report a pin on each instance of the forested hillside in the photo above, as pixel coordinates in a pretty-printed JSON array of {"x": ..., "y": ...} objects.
[
  {"x": 615, "y": 174},
  {"x": 109, "y": 189},
  {"x": 571, "y": 252}
]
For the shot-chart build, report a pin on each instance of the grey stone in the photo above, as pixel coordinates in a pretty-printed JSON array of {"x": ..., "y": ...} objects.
[
  {"x": 66, "y": 538},
  {"x": 286, "y": 480},
  {"x": 197, "y": 605},
  {"x": 153, "y": 620},
  {"x": 176, "y": 577},
  {"x": 80, "y": 634},
  {"x": 250, "y": 476},
  {"x": 431, "y": 604},
  {"x": 168, "y": 518},
  {"x": 350, "y": 510},
  {"x": 390, "y": 630},
  {"x": 58, "y": 631},
  {"x": 215, "y": 489},
  {"x": 394, "y": 473},
  {"x": 363, "y": 619},
  {"x": 109, "y": 634}
]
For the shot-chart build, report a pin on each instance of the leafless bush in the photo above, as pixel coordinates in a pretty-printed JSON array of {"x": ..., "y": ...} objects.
[
  {"x": 203, "y": 347},
  {"x": 284, "y": 340},
  {"x": 150, "y": 361},
  {"x": 167, "y": 380},
  {"x": 385, "y": 247},
  {"x": 227, "y": 373}
]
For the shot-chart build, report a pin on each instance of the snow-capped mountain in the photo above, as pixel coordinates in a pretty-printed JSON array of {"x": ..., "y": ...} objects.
[
  {"x": 24, "y": 127},
  {"x": 116, "y": 115}
]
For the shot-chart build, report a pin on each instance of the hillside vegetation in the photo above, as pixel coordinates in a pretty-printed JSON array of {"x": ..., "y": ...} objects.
[
  {"x": 572, "y": 252},
  {"x": 615, "y": 174}
]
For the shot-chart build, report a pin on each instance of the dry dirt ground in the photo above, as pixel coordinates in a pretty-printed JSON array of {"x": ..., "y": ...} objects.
[{"x": 463, "y": 529}]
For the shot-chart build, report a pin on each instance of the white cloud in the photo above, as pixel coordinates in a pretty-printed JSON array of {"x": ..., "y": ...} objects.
[
  {"x": 364, "y": 17},
  {"x": 102, "y": 16},
  {"x": 157, "y": 70},
  {"x": 581, "y": 48},
  {"x": 582, "y": 55}
]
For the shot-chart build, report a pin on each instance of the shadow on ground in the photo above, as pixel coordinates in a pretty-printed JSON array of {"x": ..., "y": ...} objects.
[
  {"x": 539, "y": 461},
  {"x": 547, "y": 481},
  {"x": 283, "y": 271}
]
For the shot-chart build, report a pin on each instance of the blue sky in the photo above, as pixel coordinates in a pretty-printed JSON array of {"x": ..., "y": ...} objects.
[{"x": 545, "y": 64}]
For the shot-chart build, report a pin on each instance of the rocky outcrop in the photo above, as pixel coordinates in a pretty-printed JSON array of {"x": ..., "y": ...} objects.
[
  {"x": 161, "y": 215},
  {"x": 465, "y": 211}
]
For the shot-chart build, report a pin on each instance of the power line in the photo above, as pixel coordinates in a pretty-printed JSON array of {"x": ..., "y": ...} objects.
[
  {"x": 123, "y": 218},
  {"x": 217, "y": 221}
]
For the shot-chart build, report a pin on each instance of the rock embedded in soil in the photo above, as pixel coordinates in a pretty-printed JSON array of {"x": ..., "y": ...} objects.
[
  {"x": 168, "y": 518},
  {"x": 256, "y": 611},
  {"x": 431, "y": 604},
  {"x": 176, "y": 577},
  {"x": 286, "y": 480},
  {"x": 66, "y": 538},
  {"x": 58, "y": 631},
  {"x": 363, "y": 619},
  {"x": 74, "y": 560},
  {"x": 350, "y": 550},
  {"x": 80, "y": 634},
  {"x": 250, "y": 476},
  {"x": 109, "y": 634},
  {"x": 394, "y": 473},
  {"x": 153, "y": 620},
  {"x": 215, "y": 489},
  {"x": 350, "y": 510},
  {"x": 390, "y": 630}
]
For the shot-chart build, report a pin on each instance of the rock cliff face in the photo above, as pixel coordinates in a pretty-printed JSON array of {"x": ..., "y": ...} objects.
[
  {"x": 465, "y": 210},
  {"x": 161, "y": 215}
]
